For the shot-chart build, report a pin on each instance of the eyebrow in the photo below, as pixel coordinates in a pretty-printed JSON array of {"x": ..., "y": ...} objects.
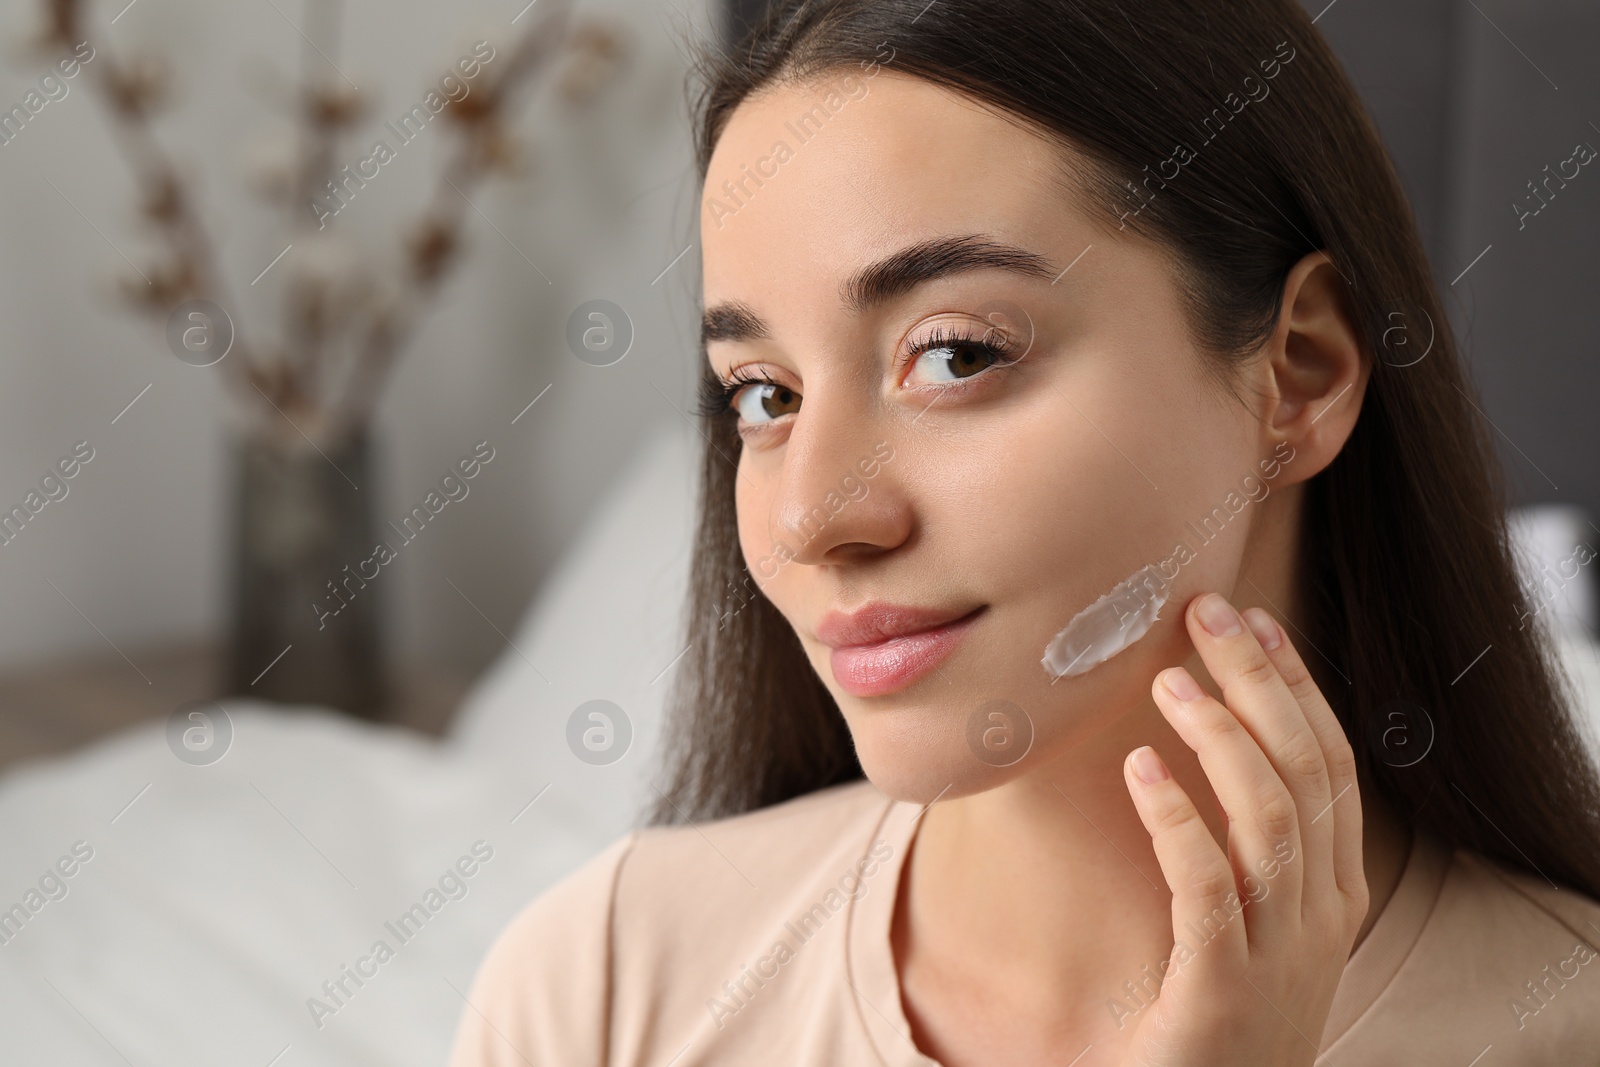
[{"x": 890, "y": 277}]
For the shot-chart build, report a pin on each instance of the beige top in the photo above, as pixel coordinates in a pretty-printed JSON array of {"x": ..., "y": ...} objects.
[{"x": 764, "y": 939}]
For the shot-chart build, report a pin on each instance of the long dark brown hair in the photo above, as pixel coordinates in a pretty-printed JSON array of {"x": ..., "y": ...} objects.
[{"x": 1405, "y": 574}]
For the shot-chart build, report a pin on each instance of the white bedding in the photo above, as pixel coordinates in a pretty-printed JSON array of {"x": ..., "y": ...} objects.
[
  {"x": 219, "y": 899},
  {"x": 218, "y": 902}
]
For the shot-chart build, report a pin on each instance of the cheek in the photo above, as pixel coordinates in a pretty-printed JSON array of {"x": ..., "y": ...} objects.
[
  {"x": 767, "y": 555},
  {"x": 753, "y": 501},
  {"x": 1080, "y": 485},
  {"x": 1142, "y": 452},
  {"x": 1038, "y": 511}
]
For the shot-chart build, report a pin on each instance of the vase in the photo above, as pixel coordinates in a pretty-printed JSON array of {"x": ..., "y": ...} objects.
[{"x": 305, "y": 623}]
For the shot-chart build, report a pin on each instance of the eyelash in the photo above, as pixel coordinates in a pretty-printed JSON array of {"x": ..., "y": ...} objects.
[{"x": 716, "y": 394}]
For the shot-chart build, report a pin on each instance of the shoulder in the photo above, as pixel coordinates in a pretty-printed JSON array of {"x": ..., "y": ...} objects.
[
  {"x": 1506, "y": 959},
  {"x": 646, "y": 916},
  {"x": 1535, "y": 942},
  {"x": 702, "y": 913},
  {"x": 540, "y": 995},
  {"x": 698, "y": 892},
  {"x": 1547, "y": 906},
  {"x": 1521, "y": 918},
  {"x": 1530, "y": 924}
]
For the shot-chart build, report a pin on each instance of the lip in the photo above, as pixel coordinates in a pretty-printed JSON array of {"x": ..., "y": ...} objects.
[{"x": 882, "y": 648}]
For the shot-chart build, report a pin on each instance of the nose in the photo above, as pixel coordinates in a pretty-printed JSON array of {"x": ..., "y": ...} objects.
[{"x": 840, "y": 494}]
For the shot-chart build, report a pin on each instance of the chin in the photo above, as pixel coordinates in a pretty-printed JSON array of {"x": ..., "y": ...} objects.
[{"x": 921, "y": 753}]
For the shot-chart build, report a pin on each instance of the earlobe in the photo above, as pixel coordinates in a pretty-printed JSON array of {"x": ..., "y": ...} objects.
[{"x": 1318, "y": 367}]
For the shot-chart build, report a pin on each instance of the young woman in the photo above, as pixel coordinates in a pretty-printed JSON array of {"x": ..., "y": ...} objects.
[{"x": 1106, "y": 648}]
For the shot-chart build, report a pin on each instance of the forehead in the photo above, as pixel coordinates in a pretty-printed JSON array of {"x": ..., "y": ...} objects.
[{"x": 810, "y": 181}]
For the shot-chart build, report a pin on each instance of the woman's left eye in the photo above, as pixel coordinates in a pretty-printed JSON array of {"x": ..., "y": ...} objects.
[{"x": 941, "y": 359}]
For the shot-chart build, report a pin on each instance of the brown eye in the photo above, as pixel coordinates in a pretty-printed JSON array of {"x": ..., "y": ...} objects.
[
  {"x": 939, "y": 359},
  {"x": 961, "y": 360},
  {"x": 764, "y": 402}
]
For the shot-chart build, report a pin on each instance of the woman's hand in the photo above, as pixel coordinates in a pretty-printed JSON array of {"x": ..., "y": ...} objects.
[{"x": 1263, "y": 932}]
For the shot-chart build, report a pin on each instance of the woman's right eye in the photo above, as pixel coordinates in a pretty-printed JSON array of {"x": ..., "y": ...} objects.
[{"x": 765, "y": 401}]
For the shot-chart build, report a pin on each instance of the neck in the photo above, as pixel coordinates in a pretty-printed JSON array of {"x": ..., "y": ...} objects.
[
  {"x": 1057, "y": 864},
  {"x": 1043, "y": 900}
]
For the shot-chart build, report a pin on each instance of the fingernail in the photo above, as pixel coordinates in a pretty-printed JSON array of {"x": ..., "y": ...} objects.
[
  {"x": 1148, "y": 766},
  {"x": 1264, "y": 628},
  {"x": 1218, "y": 616},
  {"x": 1181, "y": 685}
]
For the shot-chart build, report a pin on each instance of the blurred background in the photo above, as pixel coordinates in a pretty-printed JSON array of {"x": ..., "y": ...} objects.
[
  {"x": 477, "y": 348},
  {"x": 128, "y": 580}
]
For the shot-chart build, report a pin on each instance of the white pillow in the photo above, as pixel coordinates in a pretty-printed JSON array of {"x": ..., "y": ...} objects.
[
  {"x": 606, "y": 624},
  {"x": 1552, "y": 543}
]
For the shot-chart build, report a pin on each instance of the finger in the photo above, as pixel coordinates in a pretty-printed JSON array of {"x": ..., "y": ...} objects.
[
  {"x": 1207, "y": 912},
  {"x": 1263, "y": 820},
  {"x": 1344, "y": 803},
  {"x": 1263, "y": 702}
]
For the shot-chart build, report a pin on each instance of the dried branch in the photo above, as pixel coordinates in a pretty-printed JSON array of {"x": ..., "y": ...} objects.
[
  {"x": 437, "y": 236},
  {"x": 300, "y": 377},
  {"x": 129, "y": 93}
]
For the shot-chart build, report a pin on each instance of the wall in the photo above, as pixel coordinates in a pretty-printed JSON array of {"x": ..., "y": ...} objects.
[
  {"x": 1474, "y": 100},
  {"x": 136, "y": 553}
]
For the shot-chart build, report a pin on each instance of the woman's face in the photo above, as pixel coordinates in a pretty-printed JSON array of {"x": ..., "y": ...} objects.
[{"x": 896, "y": 461}]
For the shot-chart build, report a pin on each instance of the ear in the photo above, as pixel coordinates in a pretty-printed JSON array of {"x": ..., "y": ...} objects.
[{"x": 1315, "y": 373}]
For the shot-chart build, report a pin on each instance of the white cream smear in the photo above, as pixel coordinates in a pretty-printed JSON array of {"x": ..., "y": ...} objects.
[{"x": 1109, "y": 625}]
